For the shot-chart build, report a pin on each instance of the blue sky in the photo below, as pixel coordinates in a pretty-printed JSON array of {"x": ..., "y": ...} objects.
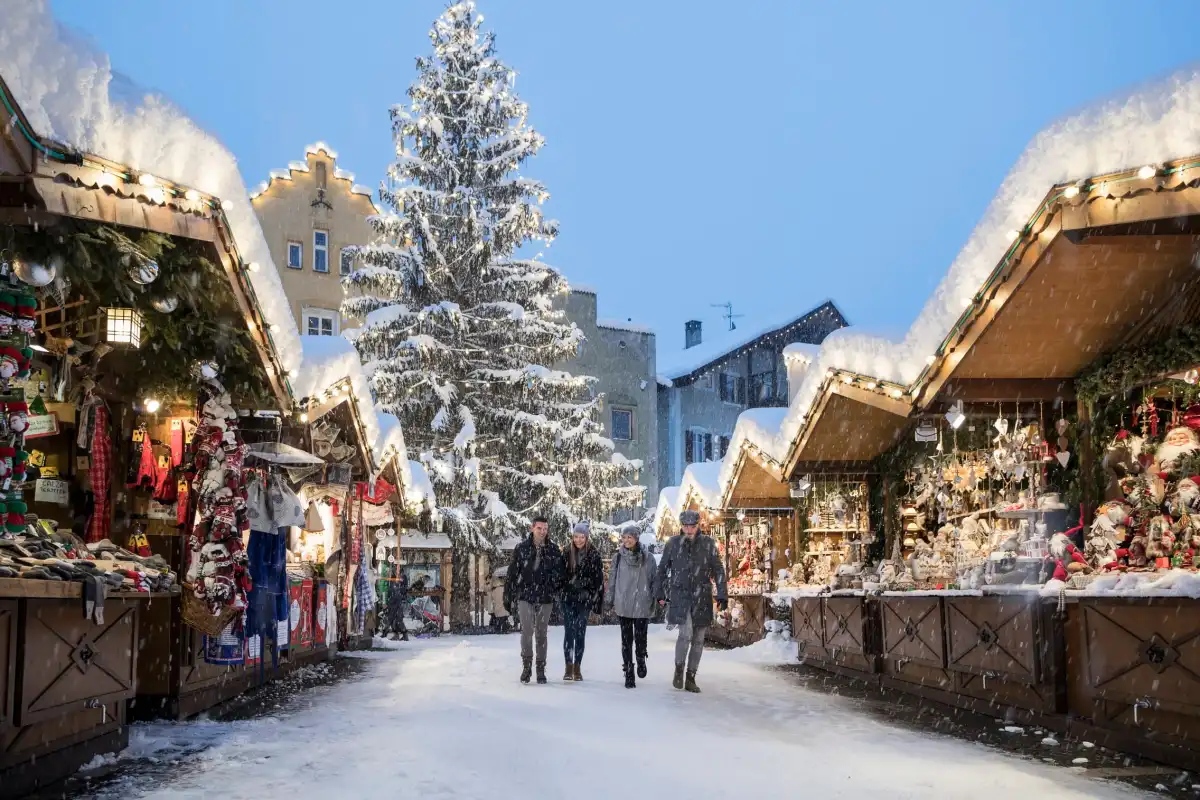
[{"x": 770, "y": 154}]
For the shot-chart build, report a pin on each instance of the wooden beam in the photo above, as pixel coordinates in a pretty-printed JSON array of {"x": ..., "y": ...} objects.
[
  {"x": 987, "y": 390},
  {"x": 833, "y": 468},
  {"x": 901, "y": 408}
]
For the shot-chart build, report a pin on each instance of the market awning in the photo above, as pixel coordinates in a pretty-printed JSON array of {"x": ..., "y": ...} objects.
[
  {"x": 848, "y": 424},
  {"x": 1099, "y": 273},
  {"x": 755, "y": 485}
]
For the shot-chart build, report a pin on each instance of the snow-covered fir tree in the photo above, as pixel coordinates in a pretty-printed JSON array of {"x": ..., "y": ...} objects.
[{"x": 460, "y": 332}]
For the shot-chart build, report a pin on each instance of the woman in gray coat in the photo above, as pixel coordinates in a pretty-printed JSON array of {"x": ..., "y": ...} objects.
[{"x": 632, "y": 584}]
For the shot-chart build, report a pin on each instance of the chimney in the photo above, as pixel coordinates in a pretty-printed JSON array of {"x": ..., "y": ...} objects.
[{"x": 691, "y": 333}]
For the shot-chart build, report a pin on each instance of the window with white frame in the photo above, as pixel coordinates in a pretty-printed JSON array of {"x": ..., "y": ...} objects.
[
  {"x": 346, "y": 264},
  {"x": 295, "y": 255},
  {"x": 320, "y": 251},
  {"x": 622, "y": 424},
  {"x": 320, "y": 322},
  {"x": 699, "y": 446}
]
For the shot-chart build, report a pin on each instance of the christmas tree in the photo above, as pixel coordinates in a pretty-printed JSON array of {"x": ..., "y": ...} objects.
[{"x": 460, "y": 332}]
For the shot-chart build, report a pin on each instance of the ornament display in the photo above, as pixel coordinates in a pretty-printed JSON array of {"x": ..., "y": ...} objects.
[
  {"x": 36, "y": 274},
  {"x": 144, "y": 272},
  {"x": 165, "y": 304}
]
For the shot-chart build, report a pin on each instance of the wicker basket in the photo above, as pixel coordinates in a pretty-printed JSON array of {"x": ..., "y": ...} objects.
[{"x": 197, "y": 615}]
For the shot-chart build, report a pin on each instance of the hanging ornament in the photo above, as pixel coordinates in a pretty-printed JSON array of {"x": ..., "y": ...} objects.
[
  {"x": 1061, "y": 426},
  {"x": 36, "y": 274},
  {"x": 144, "y": 272},
  {"x": 165, "y": 303}
]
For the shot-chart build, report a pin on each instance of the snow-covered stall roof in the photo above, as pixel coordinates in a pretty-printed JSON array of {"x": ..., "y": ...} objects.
[
  {"x": 758, "y": 432},
  {"x": 332, "y": 361},
  {"x": 1154, "y": 124},
  {"x": 718, "y": 342},
  {"x": 424, "y": 541},
  {"x": 702, "y": 482},
  {"x": 667, "y": 508},
  {"x": 70, "y": 94},
  {"x": 419, "y": 491}
]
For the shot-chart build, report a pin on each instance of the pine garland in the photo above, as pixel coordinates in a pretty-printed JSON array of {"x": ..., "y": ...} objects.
[
  {"x": 1124, "y": 370},
  {"x": 206, "y": 326}
]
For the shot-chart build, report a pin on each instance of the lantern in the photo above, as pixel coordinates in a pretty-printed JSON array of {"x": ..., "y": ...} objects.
[{"x": 123, "y": 326}]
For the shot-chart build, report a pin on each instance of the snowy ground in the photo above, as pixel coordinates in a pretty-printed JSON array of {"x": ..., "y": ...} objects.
[{"x": 447, "y": 718}]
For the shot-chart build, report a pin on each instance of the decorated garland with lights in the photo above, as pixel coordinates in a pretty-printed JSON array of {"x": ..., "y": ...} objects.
[
  {"x": 168, "y": 286},
  {"x": 460, "y": 335}
]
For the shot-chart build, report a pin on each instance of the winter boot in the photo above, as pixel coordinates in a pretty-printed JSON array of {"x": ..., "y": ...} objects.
[
  {"x": 677, "y": 681},
  {"x": 641, "y": 664},
  {"x": 569, "y": 674},
  {"x": 526, "y": 669},
  {"x": 578, "y": 674},
  {"x": 690, "y": 683},
  {"x": 541, "y": 672},
  {"x": 630, "y": 683}
]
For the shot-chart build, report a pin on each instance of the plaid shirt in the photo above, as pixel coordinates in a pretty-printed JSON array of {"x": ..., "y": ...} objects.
[{"x": 101, "y": 475}]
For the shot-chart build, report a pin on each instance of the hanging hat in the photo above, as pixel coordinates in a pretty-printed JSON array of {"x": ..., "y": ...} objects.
[
  {"x": 312, "y": 519},
  {"x": 689, "y": 517}
]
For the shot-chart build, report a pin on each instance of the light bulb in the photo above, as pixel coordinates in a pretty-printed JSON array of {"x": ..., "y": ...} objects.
[
  {"x": 1071, "y": 191},
  {"x": 191, "y": 194},
  {"x": 304, "y": 417},
  {"x": 151, "y": 405},
  {"x": 1147, "y": 172},
  {"x": 1012, "y": 235},
  {"x": 146, "y": 179},
  {"x": 252, "y": 266}
]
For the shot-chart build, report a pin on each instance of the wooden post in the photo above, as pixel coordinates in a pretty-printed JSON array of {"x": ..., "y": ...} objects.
[{"x": 1087, "y": 462}]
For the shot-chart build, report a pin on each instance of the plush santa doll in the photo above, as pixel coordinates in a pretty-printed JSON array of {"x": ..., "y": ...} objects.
[
  {"x": 1186, "y": 501},
  {"x": 1160, "y": 539},
  {"x": 1065, "y": 557},
  {"x": 1178, "y": 442}
]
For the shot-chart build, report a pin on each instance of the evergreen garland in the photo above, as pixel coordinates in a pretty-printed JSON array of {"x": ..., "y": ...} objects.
[
  {"x": 1123, "y": 370},
  {"x": 207, "y": 325}
]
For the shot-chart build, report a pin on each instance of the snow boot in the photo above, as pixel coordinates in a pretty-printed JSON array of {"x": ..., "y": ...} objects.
[
  {"x": 677, "y": 681},
  {"x": 541, "y": 672},
  {"x": 578, "y": 674},
  {"x": 641, "y": 669},
  {"x": 630, "y": 683},
  {"x": 569, "y": 674},
  {"x": 690, "y": 683},
  {"x": 526, "y": 669}
]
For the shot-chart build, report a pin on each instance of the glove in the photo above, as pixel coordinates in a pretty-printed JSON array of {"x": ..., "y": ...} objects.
[{"x": 723, "y": 605}]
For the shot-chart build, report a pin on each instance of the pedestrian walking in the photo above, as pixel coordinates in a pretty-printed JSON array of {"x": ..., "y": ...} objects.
[
  {"x": 632, "y": 586},
  {"x": 534, "y": 581},
  {"x": 496, "y": 599},
  {"x": 397, "y": 607},
  {"x": 689, "y": 567},
  {"x": 583, "y": 587}
]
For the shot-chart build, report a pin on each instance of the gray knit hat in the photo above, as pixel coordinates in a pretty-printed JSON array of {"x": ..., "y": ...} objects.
[
  {"x": 581, "y": 527},
  {"x": 689, "y": 518}
]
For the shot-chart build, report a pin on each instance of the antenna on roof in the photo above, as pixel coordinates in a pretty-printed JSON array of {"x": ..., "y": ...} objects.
[{"x": 729, "y": 316}]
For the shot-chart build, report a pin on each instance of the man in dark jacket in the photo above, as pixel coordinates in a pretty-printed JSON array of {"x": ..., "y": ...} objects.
[
  {"x": 535, "y": 578},
  {"x": 397, "y": 605},
  {"x": 689, "y": 567},
  {"x": 582, "y": 589}
]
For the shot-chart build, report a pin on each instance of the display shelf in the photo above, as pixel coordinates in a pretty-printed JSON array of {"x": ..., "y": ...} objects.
[{"x": 837, "y": 530}]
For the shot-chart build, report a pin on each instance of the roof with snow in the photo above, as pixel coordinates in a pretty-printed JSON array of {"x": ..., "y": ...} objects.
[
  {"x": 70, "y": 95},
  {"x": 719, "y": 344}
]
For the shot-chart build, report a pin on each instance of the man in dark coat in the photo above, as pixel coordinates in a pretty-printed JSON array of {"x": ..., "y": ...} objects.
[
  {"x": 397, "y": 605},
  {"x": 689, "y": 567},
  {"x": 583, "y": 587},
  {"x": 534, "y": 580}
]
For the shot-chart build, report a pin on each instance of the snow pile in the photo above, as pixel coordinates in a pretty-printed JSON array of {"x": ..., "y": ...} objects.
[
  {"x": 1172, "y": 583},
  {"x": 702, "y": 481},
  {"x": 618, "y": 325},
  {"x": 420, "y": 489},
  {"x": 70, "y": 94},
  {"x": 424, "y": 541},
  {"x": 717, "y": 340},
  {"x": 775, "y": 649}
]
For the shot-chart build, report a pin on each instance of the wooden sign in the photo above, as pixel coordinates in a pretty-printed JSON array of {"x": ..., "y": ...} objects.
[
  {"x": 42, "y": 425},
  {"x": 49, "y": 490}
]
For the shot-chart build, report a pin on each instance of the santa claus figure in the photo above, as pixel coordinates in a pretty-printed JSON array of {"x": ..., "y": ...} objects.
[
  {"x": 1179, "y": 442},
  {"x": 1065, "y": 557},
  {"x": 1101, "y": 551},
  {"x": 1186, "y": 502}
]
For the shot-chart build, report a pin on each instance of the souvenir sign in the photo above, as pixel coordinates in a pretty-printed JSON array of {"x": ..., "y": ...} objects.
[
  {"x": 49, "y": 490},
  {"x": 42, "y": 425}
]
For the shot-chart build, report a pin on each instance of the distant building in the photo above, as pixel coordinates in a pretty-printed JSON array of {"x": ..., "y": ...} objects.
[
  {"x": 621, "y": 356},
  {"x": 311, "y": 213},
  {"x": 718, "y": 374}
]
